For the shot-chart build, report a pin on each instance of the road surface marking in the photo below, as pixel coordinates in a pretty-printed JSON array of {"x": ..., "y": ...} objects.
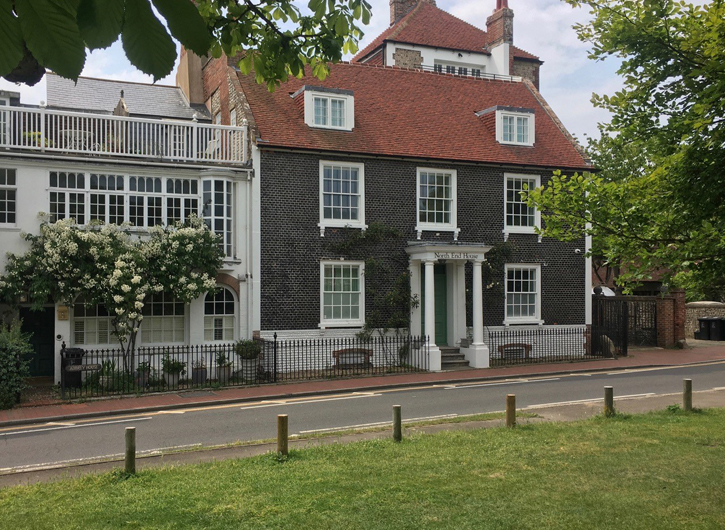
[
  {"x": 507, "y": 382},
  {"x": 376, "y": 424},
  {"x": 171, "y": 412},
  {"x": 31, "y": 431},
  {"x": 590, "y": 400}
]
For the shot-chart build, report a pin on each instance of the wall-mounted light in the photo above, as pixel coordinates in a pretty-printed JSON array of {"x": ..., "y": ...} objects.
[{"x": 23, "y": 298}]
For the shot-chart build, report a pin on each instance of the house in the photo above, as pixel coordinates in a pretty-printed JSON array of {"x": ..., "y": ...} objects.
[
  {"x": 400, "y": 173},
  {"x": 126, "y": 152},
  {"x": 432, "y": 131}
]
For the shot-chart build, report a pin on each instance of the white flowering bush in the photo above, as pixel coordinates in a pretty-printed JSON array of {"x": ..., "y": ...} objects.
[{"x": 106, "y": 265}]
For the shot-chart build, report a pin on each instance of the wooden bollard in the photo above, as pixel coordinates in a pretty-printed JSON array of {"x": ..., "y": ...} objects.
[
  {"x": 282, "y": 435},
  {"x": 511, "y": 410},
  {"x": 609, "y": 401},
  {"x": 687, "y": 395},
  {"x": 397, "y": 424},
  {"x": 131, "y": 450}
]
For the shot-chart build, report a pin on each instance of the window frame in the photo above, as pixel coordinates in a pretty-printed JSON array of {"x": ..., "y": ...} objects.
[
  {"x": 452, "y": 226},
  {"x": 10, "y": 188},
  {"x": 342, "y": 223},
  {"x": 340, "y": 323},
  {"x": 95, "y": 319},
  {"x": 234, "y": 316},
  {"x": 536, "y": 319},
  {"x": 348, "y": 105},
  {"x": 513, "y": 229},
  {"x": 530, "y": 116},
  {"x": 4, "y": 120},
  {"x": 87, "y": 192},
  {"x": 144, "y": 330}
]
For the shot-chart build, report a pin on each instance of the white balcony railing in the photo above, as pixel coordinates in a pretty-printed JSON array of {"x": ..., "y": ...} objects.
[{"x": 41, "y": 129}]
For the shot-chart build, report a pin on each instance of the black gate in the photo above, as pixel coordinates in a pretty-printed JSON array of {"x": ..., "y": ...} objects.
[
  {"x": 642, "y": 320},
  {"x": 610, "y": 326}
]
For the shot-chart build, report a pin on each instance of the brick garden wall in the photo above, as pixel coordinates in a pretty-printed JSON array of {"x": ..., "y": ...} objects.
[{"x": 292, "y": 247}]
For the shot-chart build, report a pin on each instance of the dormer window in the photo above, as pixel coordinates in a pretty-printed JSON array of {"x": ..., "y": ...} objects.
[
  {"x": 515, "y": 126},
  {"x": 328, "y": 108},
  {"x": 329, "y": 112}
]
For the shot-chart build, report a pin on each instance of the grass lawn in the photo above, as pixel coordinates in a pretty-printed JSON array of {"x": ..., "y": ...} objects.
[{"x": 655, "y": 471}]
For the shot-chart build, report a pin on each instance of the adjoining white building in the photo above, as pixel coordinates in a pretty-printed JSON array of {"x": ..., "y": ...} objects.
[{"x": 132, "y": 153}]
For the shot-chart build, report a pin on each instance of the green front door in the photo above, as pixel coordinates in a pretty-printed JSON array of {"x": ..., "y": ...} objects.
[
  {"x": 42, "y": 326},
  {"x": 441, "y": 305}
]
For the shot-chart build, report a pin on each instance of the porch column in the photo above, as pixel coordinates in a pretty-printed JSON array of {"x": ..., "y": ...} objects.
[
  {"x": 415, "y": 292},
  {"x": 430, "y": 315},
  {"x": 461, "y": 330},
  {"x": 477, "y": 303}
]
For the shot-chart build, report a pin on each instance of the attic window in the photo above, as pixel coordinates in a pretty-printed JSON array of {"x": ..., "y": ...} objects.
[
  {"x": 515, "y": 127},
  {"x": 328, "y": 108}
]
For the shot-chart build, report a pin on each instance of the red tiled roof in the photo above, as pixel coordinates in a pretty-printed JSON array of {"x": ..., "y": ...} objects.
[
  {"x": 426, "y": 25},
  {"x": 411, "y": 113}
]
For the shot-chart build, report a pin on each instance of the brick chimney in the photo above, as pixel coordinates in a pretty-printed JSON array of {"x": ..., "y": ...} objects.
[
  {"x": 500, "y": 25},
  {"x": 189, "y": 77},
  {"x": 400, "y": 8}
]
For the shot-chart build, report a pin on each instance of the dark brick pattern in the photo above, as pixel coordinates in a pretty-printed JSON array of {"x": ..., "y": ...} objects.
[{"x": 292, "y": 247}]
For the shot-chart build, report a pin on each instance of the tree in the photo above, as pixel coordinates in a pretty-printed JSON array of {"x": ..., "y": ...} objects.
[
  {"x": 104, "y": 264},
  {"x": 273, "y": 36},
  {"x": 658, "y": 200}
]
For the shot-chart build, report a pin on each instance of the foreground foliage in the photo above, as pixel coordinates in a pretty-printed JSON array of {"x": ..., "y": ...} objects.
[
  {"x": 277, "y": 37},
  {"x": 14, "y": 348},
  {"x": 659, "y": 471},
  {"x": 658, "y": 200}
]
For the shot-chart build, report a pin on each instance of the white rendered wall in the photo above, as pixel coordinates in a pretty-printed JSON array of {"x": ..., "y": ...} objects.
[{"x": 432, "y": 55}]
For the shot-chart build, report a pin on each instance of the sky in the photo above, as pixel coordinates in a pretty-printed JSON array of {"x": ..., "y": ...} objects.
[{"x": 541, "y": 27}]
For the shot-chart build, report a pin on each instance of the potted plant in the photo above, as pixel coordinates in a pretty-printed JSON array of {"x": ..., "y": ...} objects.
[
  {"x": 143, "y": 370},
  {"x": 173, "y": 370},
  {"x": 198, "y": 372},
  {"x": 223, "y": 367},
  {"x": 248, "y": 352}
]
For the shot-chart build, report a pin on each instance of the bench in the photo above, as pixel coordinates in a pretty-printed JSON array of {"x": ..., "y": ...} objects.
[
  {"x": 515, "y": 350},
  {"x": 352, "y": 357}
]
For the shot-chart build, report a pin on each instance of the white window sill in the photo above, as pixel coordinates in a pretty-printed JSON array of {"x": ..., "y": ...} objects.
[
  {"x": 341, "y": 324},
  {"x": 419, "y": 229},
  {"x": 521, "y": 230},
  {"x": 10, "y": 228},
  {"x": 526, "y": 321},
  {"x": 330, "y": 127},
  {"x": 329, "y": 224},
  {"x": 517, "y": 144}
]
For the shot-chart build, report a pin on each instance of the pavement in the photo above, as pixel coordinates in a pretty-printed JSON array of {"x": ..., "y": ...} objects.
[{"x": 696, "y": 352}]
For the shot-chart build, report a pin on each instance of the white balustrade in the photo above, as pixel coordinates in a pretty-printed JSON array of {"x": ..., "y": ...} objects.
[{"x": 45, "y": 130}]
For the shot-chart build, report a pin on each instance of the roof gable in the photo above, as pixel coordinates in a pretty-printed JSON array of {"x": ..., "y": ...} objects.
[
  {"x": 427, "y": 25},
  {"x": 408, "y": 113}
]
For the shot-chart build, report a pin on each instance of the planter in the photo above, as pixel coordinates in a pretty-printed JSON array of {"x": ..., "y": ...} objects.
[
  {"x": 198, "y": 376},
  {"x": 142, "y": 378},
  {"x": 172, "y": 380},
  {"x": 224, "y": 374},
  {"x": 248, "y": 370}
]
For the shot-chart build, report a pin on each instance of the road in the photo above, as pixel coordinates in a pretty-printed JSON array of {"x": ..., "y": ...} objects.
[{"x": 50, "y": 444}]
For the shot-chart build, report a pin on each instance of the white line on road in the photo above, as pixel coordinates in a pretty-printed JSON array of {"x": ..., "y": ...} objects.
[
  {"x": 171, "y": 412},
  {"x": 376, "y": 424},
  {"x": 95, "y": 459},
  {"x": 73, "y": 426},
  {"x": 307, "y": 401},
  {"x": 503, "y": 383},
  {"x": 591, "y": 400}
]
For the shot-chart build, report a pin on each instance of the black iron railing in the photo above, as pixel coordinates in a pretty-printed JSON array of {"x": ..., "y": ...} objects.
[
  {"x": 106, "y": 372},
  {"x": 538, "y": 345}
]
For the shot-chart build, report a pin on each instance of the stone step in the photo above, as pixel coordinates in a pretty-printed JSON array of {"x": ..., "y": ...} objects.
[
  {"x": 454, "y": 365},
  {"x": 452, "y": 357}
]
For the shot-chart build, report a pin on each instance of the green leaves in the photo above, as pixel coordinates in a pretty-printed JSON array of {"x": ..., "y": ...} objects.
[
  {"x": 186, "y": 24},
  {"x": 11, "y": 39},
  {"x": 147, "y": 44},
  {"x": 100, "y": 22},
  {"x": 51, "y": 34}
]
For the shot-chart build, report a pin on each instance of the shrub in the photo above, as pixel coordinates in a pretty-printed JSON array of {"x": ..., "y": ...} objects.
[
  {"x": 248, "y": 348},
  {"x": 14, "y": 347}
]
